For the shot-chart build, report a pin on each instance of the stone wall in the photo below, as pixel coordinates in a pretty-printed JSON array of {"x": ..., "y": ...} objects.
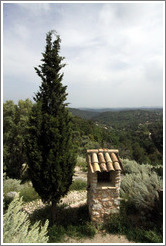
[{"x": 102, "y": 199}]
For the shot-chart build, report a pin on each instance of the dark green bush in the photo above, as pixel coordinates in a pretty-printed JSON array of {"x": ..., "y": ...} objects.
[
  {"x": 56, "y": 234},
  {"x": 78, "y": 184},
  {"x": 124, "y": 224},
  {"x": 88, "y": 230},
  {"x": 144, "y": 236}
]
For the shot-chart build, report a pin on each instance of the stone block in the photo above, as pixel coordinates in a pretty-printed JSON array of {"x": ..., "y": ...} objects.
[
  {"x": 110, "y": 204},
  {"x": 97, "y": 206},
  {"x": 104, "y": 195},
  {"x": 96, "y": 214},
  {"x": 95, "y": 201},
  {"x": 116, "y": 202},
  {"x": 105, "y": 199}
]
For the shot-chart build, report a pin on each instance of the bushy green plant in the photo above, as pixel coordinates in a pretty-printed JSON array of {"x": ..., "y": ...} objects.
[
  {"x": 141, "y": 189},
  {"x": 88, "y": 230},
  {"x": 11, "y": 185},
  {"x": 124, "y": 224},
  {"x": 78, "y": 184},
  {"x": 144, "y": 236},
  {"x": 25, "y": 190},
  {"x": 140, "y": 184},
  {"x": 81, "y": 162},
  {"x": 56, "y": 233},
  {"x": 132, "y": 166},
  {"x": 17, "y": 228},
  {"x": 28, "y": 192}
]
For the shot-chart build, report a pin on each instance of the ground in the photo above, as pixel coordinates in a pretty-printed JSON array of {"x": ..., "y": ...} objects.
[{"x": 101, "y": 238}]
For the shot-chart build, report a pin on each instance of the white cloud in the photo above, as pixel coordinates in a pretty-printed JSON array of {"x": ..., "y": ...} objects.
[
  {"x": 34, "y": 8},
  {"x": 113, "y": 51}
]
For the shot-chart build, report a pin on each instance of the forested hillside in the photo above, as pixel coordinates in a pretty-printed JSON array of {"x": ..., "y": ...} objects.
[{"x": 138, "y": 134}]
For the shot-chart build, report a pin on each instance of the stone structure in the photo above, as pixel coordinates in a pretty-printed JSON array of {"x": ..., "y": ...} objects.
[{"x": 104, "y": 176}]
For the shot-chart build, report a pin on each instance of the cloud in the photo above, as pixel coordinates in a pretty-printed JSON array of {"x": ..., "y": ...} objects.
[
  {"x": 36, "y": 9},
  {"x": 113, "y": 51}
]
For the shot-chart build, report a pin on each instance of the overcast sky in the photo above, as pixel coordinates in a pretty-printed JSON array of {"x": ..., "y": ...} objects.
[{"x": 113, "y": 51}]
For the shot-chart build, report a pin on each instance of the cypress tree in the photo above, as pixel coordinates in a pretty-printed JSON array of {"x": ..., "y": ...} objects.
[{"x": 51, "y": 157}]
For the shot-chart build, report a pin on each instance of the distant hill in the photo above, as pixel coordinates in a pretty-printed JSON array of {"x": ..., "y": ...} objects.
[
  {"x": 101, "y": 110},
  {"x": 117, "y": 115},
  {"x": 129, "y": 118},
  {"x": 137, "y": 133},
  {"x": 84, "y": 114}
]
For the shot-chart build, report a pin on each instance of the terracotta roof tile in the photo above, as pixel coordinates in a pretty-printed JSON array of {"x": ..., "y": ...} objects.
[{"x": 103, "y": 160}]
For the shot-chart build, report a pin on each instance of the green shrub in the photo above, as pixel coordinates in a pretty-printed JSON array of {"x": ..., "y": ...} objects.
[
  {"x": 81, "y": 162},
  {"x": 88, "y": 230},
  {"x": 123, "y": 224},
  {"x": 11, "y": 185},
  {"x": 114, "y": 224},
  {"x": 131, "y": 166},
  {"x": 144, "y": 236},
  {"x": 78, "y": 184},
  {"x": 117, "y": 223},
  {"x": 56, "y": 233},
  {"x": 26, "y": 190},
  {"x": 17, "y": 228},
  {"x": 140, "y": 187}
]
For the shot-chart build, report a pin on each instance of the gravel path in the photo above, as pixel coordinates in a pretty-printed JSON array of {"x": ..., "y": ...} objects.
[{"x": 72, "y": 199}]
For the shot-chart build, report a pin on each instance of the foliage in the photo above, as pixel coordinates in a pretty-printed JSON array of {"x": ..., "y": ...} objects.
[
  {"x": 15, "y": 119},
  {"x": 50, "y": 151},
  {"x": 58, "y": 233},
  {"x": 11, "y": 185},
  {"x": 138, "y": 134},
  {"x": 17, "y": 229},
  {"x": 81, "y": 162},
  {"x": 144, "y": 236},
  {"x": 115, "y": 224},
  {"x": 122, "y": 224},
  {"x": 78, "y": 184},
  {"x": 26, "y": 191},
  {"x": 141, "y": 188}
]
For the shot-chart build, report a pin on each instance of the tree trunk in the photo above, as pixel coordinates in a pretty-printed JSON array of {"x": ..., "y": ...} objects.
[{"x": 53, "y": 211}]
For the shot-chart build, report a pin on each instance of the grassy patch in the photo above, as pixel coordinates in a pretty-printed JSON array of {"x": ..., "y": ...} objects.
[{"x": 78, "y": 184}]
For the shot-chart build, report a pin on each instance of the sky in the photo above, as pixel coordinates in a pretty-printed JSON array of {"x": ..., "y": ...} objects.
[{"x": 114, "y": 51}]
